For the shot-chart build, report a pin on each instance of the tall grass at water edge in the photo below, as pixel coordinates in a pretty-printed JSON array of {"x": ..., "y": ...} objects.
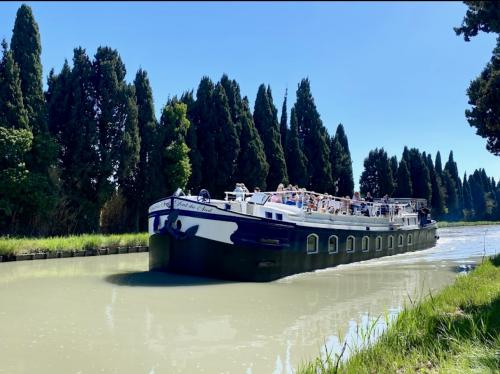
[
  {"x": 443, "y": 224},
  {"x": 454, "y": 331},
  {"x": 70, "y": 243}
]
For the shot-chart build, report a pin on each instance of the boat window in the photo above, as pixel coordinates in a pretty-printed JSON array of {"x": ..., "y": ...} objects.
[
  {"x": 365, "y": 244},
  {"x": 400, "y": 240},
  {"x": 279, "y": 216},
  {"x": 391, "y": 242},
  {"x": 312, "y": 243},
  {"x": 350, "y": 244},
  {"x": 378, "y": 243},
  {"x": 333, "y": 244},
  {"x": 269, "y": 215},
  {"x": 410, "y": 239}
]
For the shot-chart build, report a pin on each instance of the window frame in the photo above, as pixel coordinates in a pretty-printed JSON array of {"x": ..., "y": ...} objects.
[
  {"x": 378, "y": 240},
  {"x": 367, "y": 249},
  {"x": 353, "y": 249},
  {"x": 316, "y": 250},
  {"x": 336, "y": 244},
  {"x": 401, "y": 240},
  {"x": 390, "y": 242}
]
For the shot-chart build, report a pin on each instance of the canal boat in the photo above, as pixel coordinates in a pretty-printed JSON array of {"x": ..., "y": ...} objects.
[{"x": 264, "y": 236}]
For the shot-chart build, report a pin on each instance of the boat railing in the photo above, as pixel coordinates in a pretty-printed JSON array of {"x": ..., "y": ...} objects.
[{"x": 310, "y": 201}]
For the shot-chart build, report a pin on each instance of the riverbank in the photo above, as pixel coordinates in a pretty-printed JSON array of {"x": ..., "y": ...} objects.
[
  {"x": 68, "y": 246},
  {"x": 443, "y": 224},
  {"x": 455, "y": 331}
]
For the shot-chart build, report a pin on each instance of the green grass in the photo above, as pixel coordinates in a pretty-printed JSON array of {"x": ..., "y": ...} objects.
[
  {"x": 455, "y": 331},
  {"x": 10, "y": 246},
  {"x": 442, "y": 224}
]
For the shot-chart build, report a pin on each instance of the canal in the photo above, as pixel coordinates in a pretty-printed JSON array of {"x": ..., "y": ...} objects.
[{"x": 109, "y": 315}]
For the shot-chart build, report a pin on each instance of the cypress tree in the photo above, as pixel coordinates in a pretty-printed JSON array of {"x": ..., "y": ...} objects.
[
  {"x": 420, "y": 178},
  {"x": 451, "y": 195},
  {"x": 27, "y": 48},
  {"x": 15, "y": 142},
  {"x": 315, "y": 140},
  {"x": 232, "y": 90},
  {"x": 203, "y": 122},
  {"x": 394, "y": 168},
  {"x": 438, "y": 165},
  {"x": 195, "y": 158},
  {"x": 252, "y": 165},
  {"x": 337, "y": 156},
  {"x": 345, "y": 176},
  {"x": 13, "y": 114},
  {"x": 376, "y": 177},
  {"x": 147, "y": 126},
  {"x": 438, "y": 200},
  {"x": 478, "y": 196},
  {"x": 467, "y": 198},
  {"x": 284, "y": 126},
  {"x": 295, "y": 158},
  {"x": 226, "y": 142},
  {"x": 403, "y": 184},
  {"x": 265, "y": 119},
  {"x": 455, "y": 212}
]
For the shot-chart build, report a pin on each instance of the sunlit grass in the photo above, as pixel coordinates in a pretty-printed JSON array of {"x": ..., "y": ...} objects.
[
  {"x": 443, "y": 224},
  {"x": 455, "y": 331},
  {"x": 70, "y": 243}
]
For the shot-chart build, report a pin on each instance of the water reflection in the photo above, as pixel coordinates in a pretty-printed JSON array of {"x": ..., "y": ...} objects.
[{"x": 108, "y": 314}]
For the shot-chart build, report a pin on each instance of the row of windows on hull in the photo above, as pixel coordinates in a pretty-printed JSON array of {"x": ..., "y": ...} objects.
[{"x": 333, "y": 243}]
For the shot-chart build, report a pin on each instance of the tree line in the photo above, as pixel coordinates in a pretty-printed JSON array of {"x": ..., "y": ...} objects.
[{"x": 88, "y": 154}]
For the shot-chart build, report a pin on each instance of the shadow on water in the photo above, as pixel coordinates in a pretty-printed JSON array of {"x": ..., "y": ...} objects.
[{"x": 159, "y": 279}]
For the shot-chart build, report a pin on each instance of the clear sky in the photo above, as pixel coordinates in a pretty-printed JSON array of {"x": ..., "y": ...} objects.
[{"x": 394, "y": 74}]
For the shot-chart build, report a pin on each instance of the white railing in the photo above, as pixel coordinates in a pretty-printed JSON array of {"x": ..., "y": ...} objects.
[{"x": 311, "y": 201}]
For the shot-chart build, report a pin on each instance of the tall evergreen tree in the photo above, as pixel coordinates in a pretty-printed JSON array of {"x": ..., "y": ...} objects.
[
  {"x": 478, "y": 196},
  {"x": 393, "y": 161},
  {"x": 27, "y": 48},
  {"x": 451, "y": 195},
  {"x": 284, "y": 124},
  {"x": 147, "y": 126},
  {"x": 337, "y": 160},
  {"x": 315, "y": 140},
  {"x": 420, "y": 178},
  {"x": 438, "y": 165},
  {"x": 438, "y": 199},
  {"x": 232, "y": 90},
  {"x": 226, "y": 141},
  {"x": 195, "y": 157},
  {"x": 403, "y": 183},
  {"x": 468, "y": 212},
  {"x": 265, "y": 119},
  {"x": 15, "y": 142},
  {"x": 376, "y": 177},
  {"x": 345, "y": 177},
  {"x": 295, "y": 158},
  {"x": 455, "y": 212},
  {"x": 252, "y": 165}
]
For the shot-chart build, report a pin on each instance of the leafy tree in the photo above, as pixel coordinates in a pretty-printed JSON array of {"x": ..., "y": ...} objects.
[
  {"x": 376, "y": 177},
  {"x": 252, "y": 165},
  {"x": 265, "y": 119},
  {"x": 314, "y": 139},
  {"x": 295, "y": 158},
  {"x": 174, "y": 157},
  {"x": 481, "y": 16},
  {"x": 345, "y": 177},
  {"x": 403, "y": 184}
]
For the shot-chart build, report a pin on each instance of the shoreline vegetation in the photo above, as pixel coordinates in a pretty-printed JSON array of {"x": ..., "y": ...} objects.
[
  {"x": 86, "y": 242},
  {"x": 455, "y": 331},
  {"x": 444, "y": 224}
]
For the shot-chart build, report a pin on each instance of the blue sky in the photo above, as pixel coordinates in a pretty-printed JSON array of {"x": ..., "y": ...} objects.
[{"x": 394, "y": 74}]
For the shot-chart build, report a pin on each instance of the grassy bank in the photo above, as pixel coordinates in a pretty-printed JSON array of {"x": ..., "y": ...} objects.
[
  {"x": 442, "y": 224},
  {"x": 10, "y": 246},
  {"x": 455, "y": 331}
]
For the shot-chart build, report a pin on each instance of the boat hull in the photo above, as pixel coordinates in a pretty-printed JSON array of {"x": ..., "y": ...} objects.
[{"x": 279, "y": 251}]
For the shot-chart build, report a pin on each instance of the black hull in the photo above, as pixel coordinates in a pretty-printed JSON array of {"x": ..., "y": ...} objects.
[{"x": 242, "y": 262}]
